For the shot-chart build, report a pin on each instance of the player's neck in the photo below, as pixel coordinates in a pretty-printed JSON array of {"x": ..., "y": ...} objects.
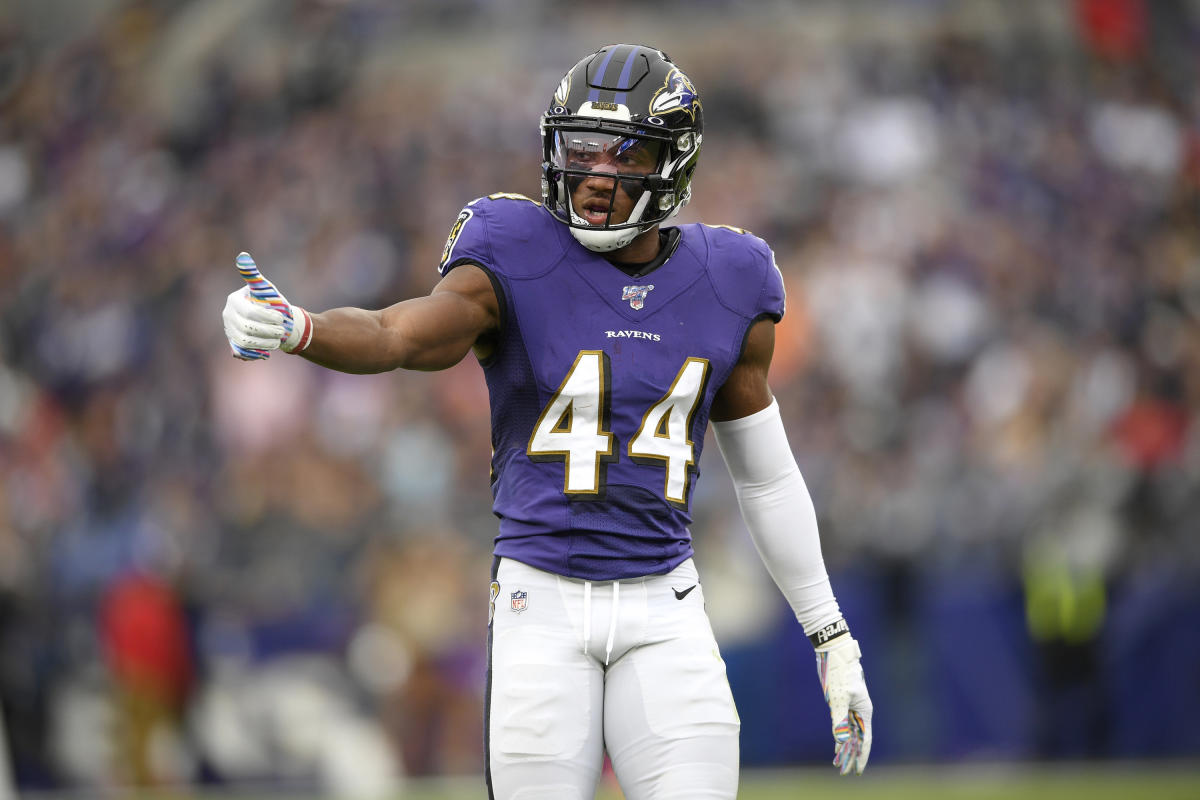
[
  {"x": 668, "y": 240},
  {"x": 642, "y": 250}
]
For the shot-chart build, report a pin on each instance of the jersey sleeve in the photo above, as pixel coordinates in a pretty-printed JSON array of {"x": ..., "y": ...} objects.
[
  {"x": 772, "y": 300},
  {"x": 467, "y": 242},
  {"x": 744, "y": 273},
  {"x": 507, "y": 234}
]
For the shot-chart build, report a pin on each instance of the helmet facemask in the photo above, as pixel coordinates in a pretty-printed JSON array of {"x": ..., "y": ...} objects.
[
  {"x": 605, "y": 180},
  {"x": 594, "y": 170}
]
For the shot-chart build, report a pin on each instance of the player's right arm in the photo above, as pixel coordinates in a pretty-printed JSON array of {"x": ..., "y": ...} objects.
[
  {"x": 434, "y": 332},
  {"x": 426, "y": 333}
]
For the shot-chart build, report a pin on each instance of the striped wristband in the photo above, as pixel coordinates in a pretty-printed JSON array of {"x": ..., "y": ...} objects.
[{"x": 302, "y": 331}]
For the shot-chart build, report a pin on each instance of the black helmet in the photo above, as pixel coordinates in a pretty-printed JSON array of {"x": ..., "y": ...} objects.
[{"x": 630, "y": 107}]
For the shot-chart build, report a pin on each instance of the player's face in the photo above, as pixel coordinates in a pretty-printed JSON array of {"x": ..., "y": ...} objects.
[{"x": 615, "y": 162}]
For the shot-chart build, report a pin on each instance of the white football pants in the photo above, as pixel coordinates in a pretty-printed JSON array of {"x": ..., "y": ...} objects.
[{"x": 577, "y": 668}]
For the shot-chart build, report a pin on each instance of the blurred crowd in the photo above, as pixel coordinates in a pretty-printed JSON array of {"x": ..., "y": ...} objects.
[{"x": 985, "y": 213}]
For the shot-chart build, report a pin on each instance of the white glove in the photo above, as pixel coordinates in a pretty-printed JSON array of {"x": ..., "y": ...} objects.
[
  {"x": 259, "y": 319},
  {"x": 849, "y": 704}
]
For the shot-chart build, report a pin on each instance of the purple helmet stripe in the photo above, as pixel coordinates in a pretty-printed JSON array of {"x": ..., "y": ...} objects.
[
  {"x": 594, "y": 94},
  {"x": 621, "y": 96}
]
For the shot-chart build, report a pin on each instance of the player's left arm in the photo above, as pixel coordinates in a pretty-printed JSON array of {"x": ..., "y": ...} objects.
[{"x": 779, "y": 513}]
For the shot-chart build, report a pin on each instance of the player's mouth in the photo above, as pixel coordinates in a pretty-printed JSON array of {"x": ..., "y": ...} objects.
[{"x": 595, "y": 211}]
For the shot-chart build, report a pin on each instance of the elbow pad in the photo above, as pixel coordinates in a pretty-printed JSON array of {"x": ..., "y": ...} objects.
[{"x": 779, "y": 513}]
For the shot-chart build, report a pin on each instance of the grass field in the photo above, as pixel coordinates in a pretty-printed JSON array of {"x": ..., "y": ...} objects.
[
  {"x": 1115, "y": 782},
  {"x": 1167, "y": 781},
  {"x": 978, "y": 783}
]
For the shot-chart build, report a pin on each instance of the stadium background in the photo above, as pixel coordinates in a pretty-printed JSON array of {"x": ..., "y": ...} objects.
[{"x": 224, "y": 575}]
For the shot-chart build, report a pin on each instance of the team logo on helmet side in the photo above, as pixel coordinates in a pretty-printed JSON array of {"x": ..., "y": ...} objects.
[
  {"x": 563, "y": 91},
  {"x": 676, "y": 94},
  {"x": 636, "y": 295}
]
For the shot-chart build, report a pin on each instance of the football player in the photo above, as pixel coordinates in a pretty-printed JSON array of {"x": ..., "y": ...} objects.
[{"x": 609, "y": 342}]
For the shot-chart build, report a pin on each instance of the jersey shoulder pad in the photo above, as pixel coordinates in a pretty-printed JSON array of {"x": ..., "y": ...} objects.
[
  {"x": 507, "y": 233},
  {"x": 743, "y": 272}
]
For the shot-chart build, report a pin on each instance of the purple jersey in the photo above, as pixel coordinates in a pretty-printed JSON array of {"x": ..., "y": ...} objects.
[{"x": 601, "y": 384}]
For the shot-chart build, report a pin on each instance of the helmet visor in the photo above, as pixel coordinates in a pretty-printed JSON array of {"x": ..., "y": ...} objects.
[
  {"x": 604, "y": 175},
  {"x": 588, "y": 151}
]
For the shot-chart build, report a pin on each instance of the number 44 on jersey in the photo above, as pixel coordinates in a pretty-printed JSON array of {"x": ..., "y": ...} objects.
[{"x": 574, "y": 428}]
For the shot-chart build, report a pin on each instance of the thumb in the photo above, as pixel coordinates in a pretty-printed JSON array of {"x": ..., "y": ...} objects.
[
  {"x": 247, "y": 268},
  {"x": 261, "y": 289},
  {"x": 259, "y": 286}
]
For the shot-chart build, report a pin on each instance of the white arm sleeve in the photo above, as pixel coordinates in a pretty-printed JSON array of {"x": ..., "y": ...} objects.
[{"x": 779, "y": 512}]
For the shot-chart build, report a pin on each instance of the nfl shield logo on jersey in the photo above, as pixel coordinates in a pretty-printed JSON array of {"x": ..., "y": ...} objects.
[
  {"x": 519, "y": 601},
  {"x": 636, "y": 295}
]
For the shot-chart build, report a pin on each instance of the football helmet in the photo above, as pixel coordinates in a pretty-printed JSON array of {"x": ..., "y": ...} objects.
[{"x": 631, "y": 118}]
